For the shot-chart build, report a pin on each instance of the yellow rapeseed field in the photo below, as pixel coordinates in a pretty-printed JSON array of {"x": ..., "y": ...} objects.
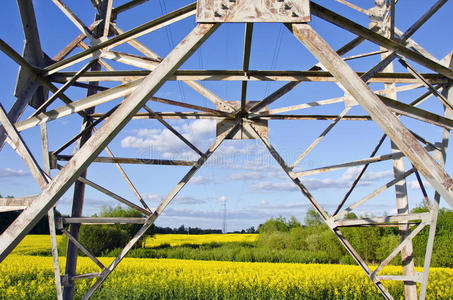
[
  {"x": 31, "y": 277},
  {"x": 197, "y": 239},
  {"x": 34, "y": 244}
]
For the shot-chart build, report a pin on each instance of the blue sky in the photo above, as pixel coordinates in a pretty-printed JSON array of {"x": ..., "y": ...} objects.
[{"x": 241, "y": 172}]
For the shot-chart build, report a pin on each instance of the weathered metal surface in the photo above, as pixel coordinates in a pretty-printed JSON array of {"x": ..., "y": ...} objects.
[
  {"x": 235, "y": 119},
  {"x": 252, "y": 75},
  {"x": 11, "y": 204},
  {"x": 98, "y": 221},
  {"x": 399, "y": 134},
  {"x": 287, "y": 11},
  {"x": 138, "y": 161},
  {"x": 353, "y": 27},
  {"x": 359, "y": 162},
  {"x": 244, "y": 133},
  {"x": 148, "y": 27},
  {"x": 150, "y": 220},
  {"x": 64, "y": 179},
  {"x": 32, "y": 53}
]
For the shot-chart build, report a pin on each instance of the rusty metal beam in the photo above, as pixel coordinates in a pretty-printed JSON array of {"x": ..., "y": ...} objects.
[
  {"x": 252, "y": 75},
  {"x": 358, "y": 29},
  {"x": 64, "y": 179},
  {"x": 155, "y": 24},
  {"x": 388, "y": 122},
  {"x": 164, "y": 203},
  {"x": 246, "y": 61}
]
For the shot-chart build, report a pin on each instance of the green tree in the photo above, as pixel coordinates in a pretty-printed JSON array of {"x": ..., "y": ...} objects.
[
  {"x": 100, "y": 239},
  {"x": 312, "y": 218},
  {"x": 271, "y": 225},
  {"x": 293, "y": 223}
]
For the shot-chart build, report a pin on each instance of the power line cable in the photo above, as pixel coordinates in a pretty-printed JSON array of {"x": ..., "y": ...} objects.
[
  {"x": 163, "y": 10},
  {"x": 275, "y": 56}
]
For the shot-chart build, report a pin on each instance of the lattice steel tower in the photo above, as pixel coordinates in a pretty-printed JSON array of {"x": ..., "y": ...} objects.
[{"x": 142, "y": 75}]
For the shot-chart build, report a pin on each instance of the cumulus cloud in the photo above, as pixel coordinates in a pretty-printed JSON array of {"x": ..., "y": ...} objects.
[
  {"x": 184, "y": 200},
  {"x": 248, "y": 176},
  {"x": 200, "y": 180},
  {"x": 345, "y": 180},
  {"x": 240, "y": 215},
  {"x": 270, "y": 186},
  {"x": 152, "y": 198},
  {"x": 413, "y": 184},
  {"x": 198, "y": 132},
  {"x": 188, "y": 200},
  {"x": 7, "y": 172},
  {"x": 351, "y": 174}
]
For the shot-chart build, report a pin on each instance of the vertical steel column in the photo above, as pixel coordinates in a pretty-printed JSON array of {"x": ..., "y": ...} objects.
[
  {"x": 51, "y": 214},
  {"x": 402, "y": 201},
  {"x": 79, "y": 187},
  {"x": 378, "y": 111},
  {"x": 448, "y": 93},
  {"x": 27, "y": 90},
  {"x": 32, "y": 53}
]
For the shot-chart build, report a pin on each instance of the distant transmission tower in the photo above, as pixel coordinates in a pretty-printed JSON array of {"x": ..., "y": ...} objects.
[
  {"x": 224, "y": 216},
  {"x": 377, "y": 91}
]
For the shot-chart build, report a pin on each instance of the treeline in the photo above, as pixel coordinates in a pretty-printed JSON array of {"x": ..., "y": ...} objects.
[
  {"x": 373, "y": 244},
  {"x": 288, "y": 241},
  {"x": 182, "y": 230},
  {"x": 42, "y": 227},
  {"x": 279, "y": 240},
  {"x": 102, "y": 239}
]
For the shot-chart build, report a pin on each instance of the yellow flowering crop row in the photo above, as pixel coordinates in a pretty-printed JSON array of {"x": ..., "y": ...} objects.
[
  {"x": 31, "y": 277},
  {"x": 34, "y": 244},
  {"x": 197, "y": 239}
]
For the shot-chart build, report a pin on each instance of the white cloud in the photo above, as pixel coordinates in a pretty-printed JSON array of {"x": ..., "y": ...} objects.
[
  {"x": 152, "y": 198},
  {"x": 200, "y": 180},
  {"x": 198, "y": 132},
  {"x": 216, "y": 215},
  {"x": 188, "y": 200},
  {"x": 274, "y": 187},
  {"x": 345, "y": 180},
  {"x": 351, "y": 174},
  {"x": 286, "y": 206},
  {"x": 177, "y": 200},
  {"x": 7, "y": 172},
  {"x": 249, "y": 176},
  {"x": 413, "y": 184}
]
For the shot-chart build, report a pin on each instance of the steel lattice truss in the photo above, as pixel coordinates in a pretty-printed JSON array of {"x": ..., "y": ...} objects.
[{"x": 244, "y": 119}]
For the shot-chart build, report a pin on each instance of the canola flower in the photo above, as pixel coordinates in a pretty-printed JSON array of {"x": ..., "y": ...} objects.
[
  {"x": 197, "y": 239},
  {"x": 31, "y": 277},
  {"x": 36, "y": 244}
]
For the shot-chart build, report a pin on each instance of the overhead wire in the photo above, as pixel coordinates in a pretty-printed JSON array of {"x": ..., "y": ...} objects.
[
  {"x": 163, "y": 10},
  {"x": 275, "y": 56}
]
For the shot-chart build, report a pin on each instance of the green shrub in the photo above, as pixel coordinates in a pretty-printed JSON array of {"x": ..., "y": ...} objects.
[
  {"x": 99, "y": 239},
  {"x": 387, "y": 245}
]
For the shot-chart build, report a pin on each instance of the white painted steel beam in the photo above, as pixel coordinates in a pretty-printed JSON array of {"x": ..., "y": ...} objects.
[
  {"x": 99, "y": 140},
  {"x": 378, "y": 111}
]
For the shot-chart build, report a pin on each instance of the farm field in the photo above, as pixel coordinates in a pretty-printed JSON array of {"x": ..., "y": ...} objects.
[
  {"x": 36, "y": 244},
  {"x": 31, "y": 277},
  {"x": 198, "y": 239}
]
